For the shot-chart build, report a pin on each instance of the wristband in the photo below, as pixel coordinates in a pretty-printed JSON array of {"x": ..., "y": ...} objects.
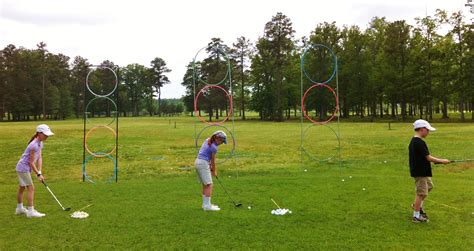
[{"x": 39, "y": 174}]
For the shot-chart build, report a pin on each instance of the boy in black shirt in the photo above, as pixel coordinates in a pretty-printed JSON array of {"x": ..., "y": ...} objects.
[{"x": 420, "y": 167}]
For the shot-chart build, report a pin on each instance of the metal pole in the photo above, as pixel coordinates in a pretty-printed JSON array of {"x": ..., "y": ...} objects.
[
  {"x": 84, "y": 136},
  {"x": 301, "y": 108},
  {"x": 116, "y": 129}
]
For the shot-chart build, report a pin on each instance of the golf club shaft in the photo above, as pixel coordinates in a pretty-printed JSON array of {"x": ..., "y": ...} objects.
[
  {"x": 274, "y": 202},
  {"x": 223, "y": 188},
  {"x": 456, "y": 161},
  {"x": 54, "y": 196}
]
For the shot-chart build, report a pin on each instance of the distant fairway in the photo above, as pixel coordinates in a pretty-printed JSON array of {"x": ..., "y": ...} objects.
[{"x": 156, "y": 203}]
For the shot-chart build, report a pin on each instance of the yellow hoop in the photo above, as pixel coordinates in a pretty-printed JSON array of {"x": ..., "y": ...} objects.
[{"x": 99, "y": 154}]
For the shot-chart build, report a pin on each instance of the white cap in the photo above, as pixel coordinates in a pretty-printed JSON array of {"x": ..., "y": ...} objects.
[
  {"x": 43, "y": 128},
  {"x": 420, "y": 123},
  {"x": 221, "y": 135}
]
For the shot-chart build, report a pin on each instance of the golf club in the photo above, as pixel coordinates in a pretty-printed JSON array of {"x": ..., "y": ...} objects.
[
  {"x": 274, "y": 202},
  {"x": 456, "y": 161},
  {"x": 235, "y": 204},
  {"x": 47, "y": 187}
]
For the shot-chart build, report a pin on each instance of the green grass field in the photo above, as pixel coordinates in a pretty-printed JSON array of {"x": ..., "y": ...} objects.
[{"x": 156, "y": 203}]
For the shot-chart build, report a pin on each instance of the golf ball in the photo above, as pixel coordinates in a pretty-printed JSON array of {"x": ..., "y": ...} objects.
[
  {"x": 384, "y": 161},
  {"x": 350, "y": 177},
  {"x": 249, "y": 207},
  {"x": 305, "y": 170},
  {"x": 343, "y": 180},
  {"x": 363, "y": 189}
]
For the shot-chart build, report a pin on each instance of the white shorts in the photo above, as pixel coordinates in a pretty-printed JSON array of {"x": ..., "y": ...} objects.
[
  {"x": 25, "y": 179},
  {"x": 203, "y": 171}
]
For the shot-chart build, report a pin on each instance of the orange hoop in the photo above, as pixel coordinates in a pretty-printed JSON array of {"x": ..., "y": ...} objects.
[{"x": 99, "y": 154}]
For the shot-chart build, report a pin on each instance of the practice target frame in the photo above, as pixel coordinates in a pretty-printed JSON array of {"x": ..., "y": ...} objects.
[
  {"x": 304, "y": 96},
  {"x": 225, "y": 82},
  {"x": 113, "y": 125}
]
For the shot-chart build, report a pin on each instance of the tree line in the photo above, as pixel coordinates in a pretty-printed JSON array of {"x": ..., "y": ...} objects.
[
  {"x": 37, "y": 84},
  {"x": 390, "y": 69}
]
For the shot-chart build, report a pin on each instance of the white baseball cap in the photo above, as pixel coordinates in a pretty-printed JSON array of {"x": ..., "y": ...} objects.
[
  {"x": 43, "y": 128},
  {"x": 221, "y": 135},
  {"x": 420, "y": 123}
]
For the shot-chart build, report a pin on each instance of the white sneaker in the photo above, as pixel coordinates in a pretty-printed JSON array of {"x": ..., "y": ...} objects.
[
  {"x": 22, "y": 210},
  {"x": 211, "y": 208},
  {"x": 35, "y": 214},
  {"x": 211, "y": 205}
]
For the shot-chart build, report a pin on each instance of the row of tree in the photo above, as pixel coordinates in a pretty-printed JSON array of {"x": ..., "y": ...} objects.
[
  {"x": 38, "y": 84},
  {"x": 388, "y": 70}
]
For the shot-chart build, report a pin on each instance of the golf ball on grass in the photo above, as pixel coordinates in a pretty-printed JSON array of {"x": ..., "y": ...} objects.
[{"x": 363, "y": 189}]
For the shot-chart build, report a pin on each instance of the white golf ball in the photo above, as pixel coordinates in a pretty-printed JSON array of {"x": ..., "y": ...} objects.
[
  {"x": 305, "y": 170},
  {"x": 290, "y": 212},
  {"x": 343, "y": 180},
  {"x": 384, "y": 161},
  {"x": 249, "y": 207},
  {"x": 350, "y": 177},
  {"x": 363, "y": 189},
  {"x": 230, "y": 176}
]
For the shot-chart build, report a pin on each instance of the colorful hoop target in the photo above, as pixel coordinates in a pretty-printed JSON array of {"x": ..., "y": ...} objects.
[
  {"x": 89, "y": 158},
  {"x": 107, "y": 99},
  {"x": 227, "y": 73},
  {"x": 311, "y": 155},
  {"x": 204, "y": 89},
  {"x": 234, "y": 143},
  {"x": 335, "y": 110},
  {"x": 334, "y": 59},
  {"x": 99, "y": 154},
  {"x": 101, "y": 95}
]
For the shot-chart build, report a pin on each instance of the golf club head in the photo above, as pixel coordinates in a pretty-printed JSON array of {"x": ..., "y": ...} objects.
[
  {"x": 238, "y": 205},
  {"x": 67, "y": 209}
]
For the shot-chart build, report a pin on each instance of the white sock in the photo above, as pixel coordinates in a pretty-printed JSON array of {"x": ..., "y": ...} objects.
[
  {"x": 416, "y": 214},
  {"x": 31, "y": 209},
  {"x": 207, "y": 201},
  {"x": 19, "y": 205}
]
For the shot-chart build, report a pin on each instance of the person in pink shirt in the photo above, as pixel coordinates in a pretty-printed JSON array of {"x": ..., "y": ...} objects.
[{"x": 31, "y": 161}]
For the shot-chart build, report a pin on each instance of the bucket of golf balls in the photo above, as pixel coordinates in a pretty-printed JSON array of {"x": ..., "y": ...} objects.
[
  {"x": 79, "y": 215},
  {"x": 281, "y": 211}
]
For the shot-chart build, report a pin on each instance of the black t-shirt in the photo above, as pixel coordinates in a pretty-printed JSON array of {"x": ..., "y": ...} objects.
[{"x": 419, "y": 165}]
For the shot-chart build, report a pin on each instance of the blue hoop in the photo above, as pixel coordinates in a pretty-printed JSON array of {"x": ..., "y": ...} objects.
[{"x": 334, "y": 59}]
